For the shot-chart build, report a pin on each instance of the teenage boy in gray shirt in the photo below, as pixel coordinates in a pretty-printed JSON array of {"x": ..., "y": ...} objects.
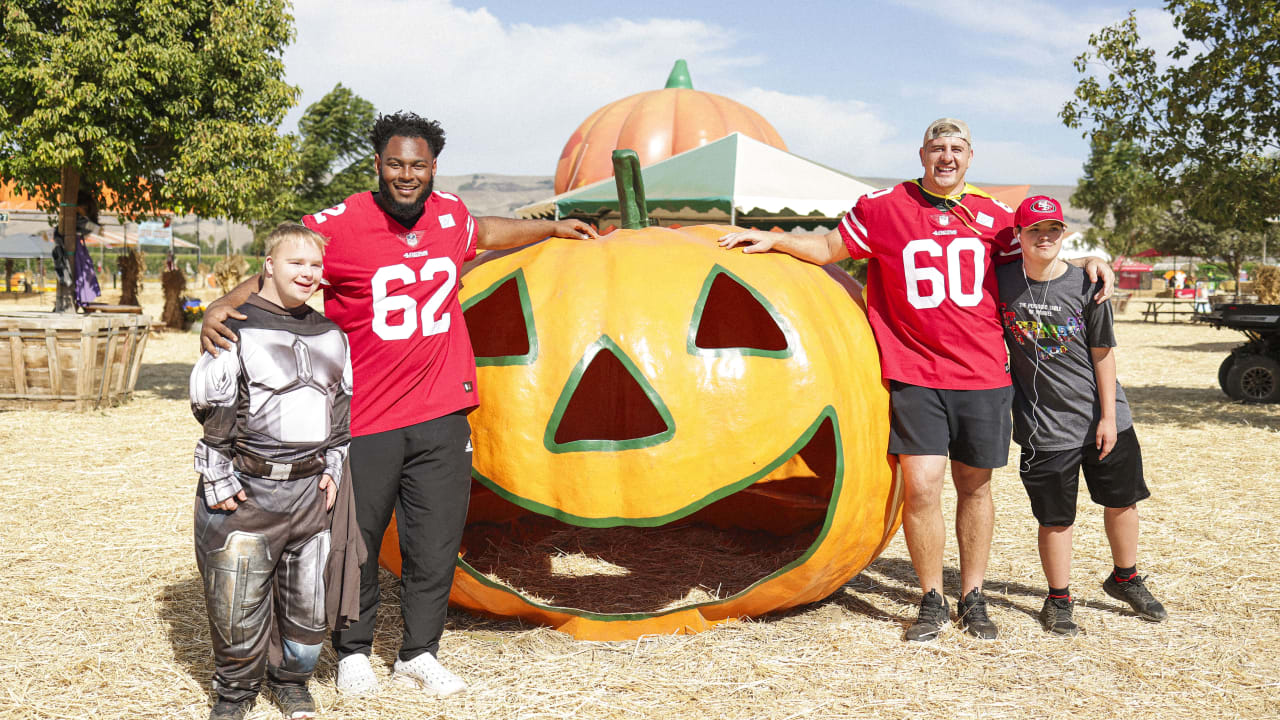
[{"x": 1069, "y": 413}]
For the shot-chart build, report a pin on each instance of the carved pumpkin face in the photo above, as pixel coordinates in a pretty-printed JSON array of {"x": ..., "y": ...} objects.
[{"x": 703, "y": 432}]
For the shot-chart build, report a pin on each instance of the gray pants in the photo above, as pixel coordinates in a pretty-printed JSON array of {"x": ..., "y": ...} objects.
[{"x": 263, "y": 569}]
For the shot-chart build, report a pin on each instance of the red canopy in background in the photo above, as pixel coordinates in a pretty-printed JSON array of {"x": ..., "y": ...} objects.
[{"x": 1149, "y": 252}]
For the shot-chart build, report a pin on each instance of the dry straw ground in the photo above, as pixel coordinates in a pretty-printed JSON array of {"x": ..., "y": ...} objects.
[{"x": 101, "y": 613}]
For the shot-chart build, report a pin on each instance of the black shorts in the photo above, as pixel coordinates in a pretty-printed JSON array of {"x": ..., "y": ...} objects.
[
  {"x": 970, "y": 426},
  {"x": 1052, "y": 478}
]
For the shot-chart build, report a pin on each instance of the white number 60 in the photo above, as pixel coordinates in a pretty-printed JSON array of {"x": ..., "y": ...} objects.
[{"x": 942, "y": 287}]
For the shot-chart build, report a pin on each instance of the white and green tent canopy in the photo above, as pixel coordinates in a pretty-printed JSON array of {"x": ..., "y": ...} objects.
[{"x": 731, "y": 180}]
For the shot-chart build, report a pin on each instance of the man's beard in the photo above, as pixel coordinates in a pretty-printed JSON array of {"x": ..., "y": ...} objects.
[{"x": 406, "y": 214}]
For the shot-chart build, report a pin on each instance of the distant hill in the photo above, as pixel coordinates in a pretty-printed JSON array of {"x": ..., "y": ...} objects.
[{"x": 487, "y": 194}]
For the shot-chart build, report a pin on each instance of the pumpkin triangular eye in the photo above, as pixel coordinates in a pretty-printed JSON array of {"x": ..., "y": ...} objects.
[
  {"x": 500, "y": 322},
  {"x": 733, "y": 317},
  {"x": 607, "y": 404}
]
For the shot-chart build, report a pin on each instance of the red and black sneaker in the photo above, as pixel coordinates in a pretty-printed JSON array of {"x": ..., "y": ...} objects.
[
  {"x": 1134, "y": 592},
  {"x": 1056, "y": 616}
]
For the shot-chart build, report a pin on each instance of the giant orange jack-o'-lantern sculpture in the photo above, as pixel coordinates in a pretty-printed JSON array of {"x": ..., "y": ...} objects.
[
  {"x": 656, "y": 124},
  {"x": 669, "y": 435}
]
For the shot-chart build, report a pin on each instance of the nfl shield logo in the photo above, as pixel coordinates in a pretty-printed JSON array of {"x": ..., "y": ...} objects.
[
  {"x": 411, "y": 239},
  {"x": 942, "y": 220}
]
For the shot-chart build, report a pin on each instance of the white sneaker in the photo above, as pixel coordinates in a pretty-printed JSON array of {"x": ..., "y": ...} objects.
[
  {"x": 355, "y": 675},
  {"x": 426, "y": 672}
]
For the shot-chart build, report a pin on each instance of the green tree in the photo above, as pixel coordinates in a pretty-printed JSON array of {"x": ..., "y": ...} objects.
[
  {"x": 169, "y": 105},
  {"x": 1205, "y": 123},
  {"x": 331, "y": 160},
  {"x": 1124, "y": 201},
  {"x": 1181, "y": 232}
]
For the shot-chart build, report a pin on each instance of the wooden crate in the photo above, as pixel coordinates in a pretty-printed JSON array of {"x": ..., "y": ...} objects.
[{"x": 66, "y": 361}]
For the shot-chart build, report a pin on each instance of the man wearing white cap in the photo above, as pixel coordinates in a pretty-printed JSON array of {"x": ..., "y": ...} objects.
[{"x": 932, "y": 244}]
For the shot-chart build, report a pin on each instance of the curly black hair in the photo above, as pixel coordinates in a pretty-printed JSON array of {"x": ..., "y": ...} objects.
[{"x": 406, "y": 124}]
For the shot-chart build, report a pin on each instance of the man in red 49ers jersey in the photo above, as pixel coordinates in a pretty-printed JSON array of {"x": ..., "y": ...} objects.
[
  {"x": 391, "y": 272},
  {"x": 931, "y": 303}
]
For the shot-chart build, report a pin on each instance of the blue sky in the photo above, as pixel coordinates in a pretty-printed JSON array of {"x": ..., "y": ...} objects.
[{"x": 848, "y": 84}]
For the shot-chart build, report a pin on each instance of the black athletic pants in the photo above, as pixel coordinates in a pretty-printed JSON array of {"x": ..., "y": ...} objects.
[{"x": 423, "y": 472}]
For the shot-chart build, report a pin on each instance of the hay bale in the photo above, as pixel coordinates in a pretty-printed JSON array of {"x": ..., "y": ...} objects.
[
  {"x": 230, "y": 272},
  {"x": 1266, "y": 283},
  {"x": 173, "y": 283},
  {"x": 131, "y": 264}
]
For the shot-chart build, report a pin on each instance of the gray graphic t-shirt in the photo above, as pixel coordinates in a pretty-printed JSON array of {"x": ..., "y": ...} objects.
[{"x": 1049, "y": 328}]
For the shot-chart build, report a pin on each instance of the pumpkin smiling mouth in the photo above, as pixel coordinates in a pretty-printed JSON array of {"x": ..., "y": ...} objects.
[{"x": 715, "y": 548}]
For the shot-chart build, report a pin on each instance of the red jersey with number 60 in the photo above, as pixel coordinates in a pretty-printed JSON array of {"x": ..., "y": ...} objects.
[
  {"x": 394, "y": 292},
  {"x": 931, "y": 291}
]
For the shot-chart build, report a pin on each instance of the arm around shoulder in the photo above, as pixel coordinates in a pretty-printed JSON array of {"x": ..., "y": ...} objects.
[{"x": 214, "y": 333}]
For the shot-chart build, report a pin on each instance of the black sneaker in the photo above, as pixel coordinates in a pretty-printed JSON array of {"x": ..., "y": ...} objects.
[
  {"x": 1134, "y": 591},
  {"x": 294, "y": 701},
  {"x": 972, "y": 613},
  {"x": 933, "y": 616},
  {"x": 225, "y": 709},
  {"x": 1055, "y": 616}
]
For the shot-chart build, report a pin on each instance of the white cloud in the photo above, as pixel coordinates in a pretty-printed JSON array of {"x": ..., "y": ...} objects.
[
  {"x": 847, "y": 135},
  {"x": 1014, "y": 96},
  {"x": 1019, "y": 163},
  {"x": 508, "y": 96}
]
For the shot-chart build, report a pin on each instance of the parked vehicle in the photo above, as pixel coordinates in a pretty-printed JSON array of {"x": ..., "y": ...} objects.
[{"x": 1252, "y": 371}]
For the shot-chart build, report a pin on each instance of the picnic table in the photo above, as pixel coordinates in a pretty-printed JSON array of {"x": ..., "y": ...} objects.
[{"x": 1170, "y": 309}]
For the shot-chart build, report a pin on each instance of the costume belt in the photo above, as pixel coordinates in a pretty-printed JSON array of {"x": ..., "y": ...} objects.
[{"x": 261, "y": 467}]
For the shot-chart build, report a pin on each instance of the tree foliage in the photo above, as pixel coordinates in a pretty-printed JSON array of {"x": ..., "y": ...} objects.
[
  {"x": 1212, "y": 102},
  {"x": 1188, "y": 144},
  {"x": 1123, "y": 200},
  {"x": 331, "y": 157},
  {"x": 170, "y": 105},
  {"x": 1182, "y": 233}
]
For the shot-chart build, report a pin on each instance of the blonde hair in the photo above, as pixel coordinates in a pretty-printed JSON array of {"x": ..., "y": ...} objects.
[{"x": 286, "y": 232}]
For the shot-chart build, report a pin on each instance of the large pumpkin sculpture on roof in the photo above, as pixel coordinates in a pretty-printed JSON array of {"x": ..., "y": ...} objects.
[
  {"x": 656, "y": 125},
  {"x": 669, "y": 435}
]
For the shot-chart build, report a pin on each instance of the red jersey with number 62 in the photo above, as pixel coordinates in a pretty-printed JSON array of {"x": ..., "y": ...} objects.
[
  {"x": 394, "y": 292},
  {"x": 931, "y": 289}
]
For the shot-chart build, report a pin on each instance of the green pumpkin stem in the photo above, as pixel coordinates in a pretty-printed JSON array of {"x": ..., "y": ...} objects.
[
  {"x": 630, "y": 183},
  {"x": 679, "y": 77}
]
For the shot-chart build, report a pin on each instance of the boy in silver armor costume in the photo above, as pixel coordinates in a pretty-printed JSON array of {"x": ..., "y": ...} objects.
[{"x": 275, "y": 412}]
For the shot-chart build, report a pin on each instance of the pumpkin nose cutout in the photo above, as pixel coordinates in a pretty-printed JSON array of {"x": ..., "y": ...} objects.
[{"x": 607, "y": 405}]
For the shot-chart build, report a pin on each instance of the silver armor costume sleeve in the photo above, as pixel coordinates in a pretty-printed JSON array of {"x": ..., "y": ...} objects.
[{"x": 214, "y": 384}]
